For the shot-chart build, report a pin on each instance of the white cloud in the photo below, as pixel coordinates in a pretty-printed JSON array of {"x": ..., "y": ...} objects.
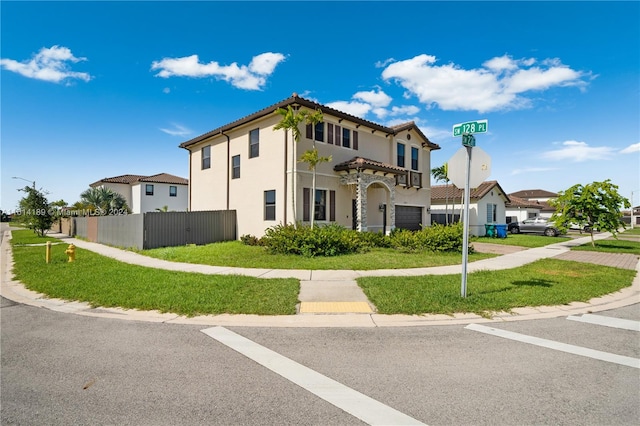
[
  {"x": 631, "y": 148},
  {"x": 359, "y": 109},
  {"x": 49, "y": 64},
  {"x": 166, "y": 90},
  {"x": 579, "y": 151},
  {"x": 498, "y": 85},
  {"x": 531, "y": 170},
  {"x": 251, "y": 77},
  {"x": 177, "y": 130},
  {"x": 375, "y": 98}
]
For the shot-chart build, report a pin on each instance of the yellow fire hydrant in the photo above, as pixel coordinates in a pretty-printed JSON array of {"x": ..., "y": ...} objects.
[{"x": 71, "y": 252}]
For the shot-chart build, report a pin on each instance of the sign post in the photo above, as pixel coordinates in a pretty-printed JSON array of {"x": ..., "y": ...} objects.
[{"x": 472, "y": 172}]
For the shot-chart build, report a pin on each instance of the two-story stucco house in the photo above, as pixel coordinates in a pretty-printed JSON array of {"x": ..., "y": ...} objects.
[
  {"x": 378, "y": 177},
  {"x": 148, "y": 193}
]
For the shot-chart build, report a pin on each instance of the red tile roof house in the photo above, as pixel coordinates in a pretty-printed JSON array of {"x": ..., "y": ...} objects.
[
  {"x": 148, "y": 193},
  {"x": 487, "y": 205},
  {"x": 541, "y": 197},
  {"x": 378, "y": 177}
]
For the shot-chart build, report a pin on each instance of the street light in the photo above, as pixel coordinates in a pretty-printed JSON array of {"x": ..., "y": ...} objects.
[{"x": 26, "y": 180}]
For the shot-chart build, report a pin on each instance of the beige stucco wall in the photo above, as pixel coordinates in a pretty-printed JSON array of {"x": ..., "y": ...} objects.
[{"x": 268, "y": 170}]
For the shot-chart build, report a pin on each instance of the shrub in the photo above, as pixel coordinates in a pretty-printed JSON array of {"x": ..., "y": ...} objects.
[
  {"x": 436, "y": 238},
  {"x": 250, "y": 240},
  {"x": 329, "y": 240},
  {"x": 375, "y": 239}
]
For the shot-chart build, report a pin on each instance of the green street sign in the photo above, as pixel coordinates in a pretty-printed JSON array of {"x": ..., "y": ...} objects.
[
  {"x": 478, "y": 126},
  {"x": 468, "y": 140}
]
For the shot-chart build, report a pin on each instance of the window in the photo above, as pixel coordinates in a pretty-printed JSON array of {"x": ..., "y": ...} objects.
[
  {"x": 492, "y": 213},
  {"x": 414, "y": 158},
  {"x": 206, "y": 157},
  {"x": 323, "y": 200},
  {"x": 173, "y": 191},
  {"x": 355, "y": 140},
  {"x": 235, "y": 160},
  {"x": 320, "y": 132},
  {"x": 148, "y": 189},
  {"x": 320, "y": 212},
  {"x": 329, "y": 133},
  {"x": 400, "y": 155},
  {"x": 254, "y": 143},
  {"x": 270, "y": 205},
  {"x": 346, "y": 138}
]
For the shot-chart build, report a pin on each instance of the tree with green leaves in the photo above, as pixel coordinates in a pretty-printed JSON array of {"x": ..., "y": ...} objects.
[
  {"x": 440, "y": 175},
  {"x": 103, "y": 200},
  {"x": 35, "y": 211},
  {"x": 593, "y": 206},
  {"x": 291, "y": 119},
  {"x": 312, "y": 157}
]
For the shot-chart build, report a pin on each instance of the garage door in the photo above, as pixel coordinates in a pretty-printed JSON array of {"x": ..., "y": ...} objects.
[{"x": 408, "y": 217}]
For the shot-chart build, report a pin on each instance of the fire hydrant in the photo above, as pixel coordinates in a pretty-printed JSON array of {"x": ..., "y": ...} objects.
[{"x": 71, "y": 252}]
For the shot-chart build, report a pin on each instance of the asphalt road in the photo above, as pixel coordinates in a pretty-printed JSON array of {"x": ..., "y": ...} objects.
[{"x": 60, "y": 368}]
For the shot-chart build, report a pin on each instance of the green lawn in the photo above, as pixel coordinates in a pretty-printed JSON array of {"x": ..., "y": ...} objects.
[
  {"x": 27, "y": 236},
  {"x": 234, "y": 253},
  {"x": 102, "y": 281},
  {"x": 522, "y": 240},
  {"x": 545, "y": 282},
  {"x": 612, "y": 246}
]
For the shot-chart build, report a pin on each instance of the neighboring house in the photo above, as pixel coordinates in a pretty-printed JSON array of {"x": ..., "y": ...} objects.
[
  {"x": 378, "y": 177},
  {"x": 539, "y": 195},
  {"x": 148, "y": 193},
  {"x": 487, "y": 205},
  {"x": 519, "y": 209}
]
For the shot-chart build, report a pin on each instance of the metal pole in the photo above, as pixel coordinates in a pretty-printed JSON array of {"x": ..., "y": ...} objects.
[
  {"x": 632, "y": 210},
  {"x": 465, "y": 227}
]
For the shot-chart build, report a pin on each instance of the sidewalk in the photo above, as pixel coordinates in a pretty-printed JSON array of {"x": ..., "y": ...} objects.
[{"x": 332, "y": 298}]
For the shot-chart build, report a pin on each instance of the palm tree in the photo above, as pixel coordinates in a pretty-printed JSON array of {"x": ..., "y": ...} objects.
[
  {"x": 312, "y": 157},
  {"x": 291, "y": 120},
  {"x": 440, "y": 174},
  {"x": 104, "y": 199}
]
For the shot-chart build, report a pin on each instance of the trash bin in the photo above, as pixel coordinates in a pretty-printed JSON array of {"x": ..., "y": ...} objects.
[
  {"x": 490, "y": 230},
  {"x": 501, "y": 231}
]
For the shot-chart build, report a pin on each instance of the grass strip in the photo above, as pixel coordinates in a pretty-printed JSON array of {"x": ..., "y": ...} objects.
[
  {"x": 237, "y": 254},
  {"x": 105, "y": 282},
  {"x": 544, "y": 282},
  {"x": 27, "y": 236},
  {"x": 611, "y": 246},
  {"x": 522, "y": 240}
]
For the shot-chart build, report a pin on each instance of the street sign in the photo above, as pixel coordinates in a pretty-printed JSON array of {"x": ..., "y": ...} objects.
[
  {"x": 468, "y": 140},
  {"x": 480, "y": 168},
  {"x": 478, "y": 126}
]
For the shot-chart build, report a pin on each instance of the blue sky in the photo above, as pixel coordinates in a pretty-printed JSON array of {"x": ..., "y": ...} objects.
[{"x": 100, "y": 89}]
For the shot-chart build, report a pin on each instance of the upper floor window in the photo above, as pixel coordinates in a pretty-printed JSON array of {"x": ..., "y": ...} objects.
[
  {"x": 206, "y": 157},
  {"x": 346, "y": 138},
  {"x": 235, "y": 160},
  {"x": 400, "y": 152},
  {"x": 414, "y": 158},
  {"x": 173, "y": 191},
  {"x": 316, "y": 133},
  {"x": 148, "y": 189},
  {"x": 254, "y": 143}
]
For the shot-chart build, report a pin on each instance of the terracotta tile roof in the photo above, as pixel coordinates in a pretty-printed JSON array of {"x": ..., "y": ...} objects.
[
  {"x": 129, "y": 179},
  {"x": 297, "y": 100},
  {"x": 521, "y": 202},
  {"x": 165, "y": 178},
  {"x": 441, "y": 192},
  {"x": 527, "y": 194},
  {"x": 366, "y": 164}
]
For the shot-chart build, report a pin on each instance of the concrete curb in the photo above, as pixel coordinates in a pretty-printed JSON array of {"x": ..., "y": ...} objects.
[{"x": 16, "y": 291}]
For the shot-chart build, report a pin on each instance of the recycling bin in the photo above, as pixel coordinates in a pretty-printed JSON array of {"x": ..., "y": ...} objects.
[
  {"x": 490, "y": 230},
  {"x": 501, "y": 231}
]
